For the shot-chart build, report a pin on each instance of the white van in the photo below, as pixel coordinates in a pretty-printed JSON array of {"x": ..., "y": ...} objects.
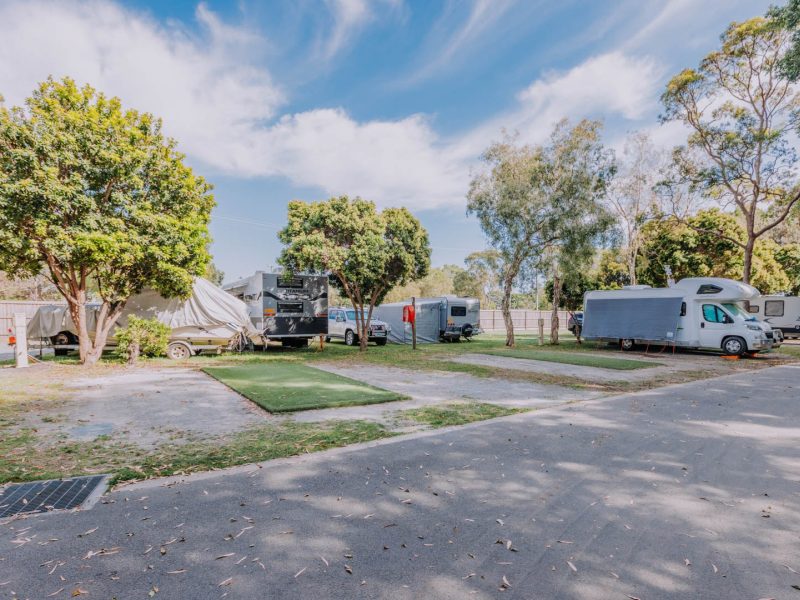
[
  {"x": 781, "y": 312},
  {"x": 697, "y": 312},
  {"x": 342, "y": 325}
]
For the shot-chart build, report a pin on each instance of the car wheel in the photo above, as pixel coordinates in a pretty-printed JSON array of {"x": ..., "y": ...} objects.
[
  {"x": 349, "y": 338},
  {"x": 627, "y": 345},
  {"x": 735, "y": 346},
  {"x": 178, "y": 351},
  {"x": 381, "y": 342}
]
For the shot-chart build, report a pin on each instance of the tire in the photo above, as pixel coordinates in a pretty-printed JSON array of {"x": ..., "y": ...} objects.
[
  {"x": 627, "y": 344},
  {"x": 734, "y": 346},
  {"x": 349, "y": 338},
  {"x": 60, "y": 351},
  {"x": 327, "y": 339},
  {"x": 381, "y": 342},
  {"x": 178, "y": 351},
  {"x": 62, "y": 339}
]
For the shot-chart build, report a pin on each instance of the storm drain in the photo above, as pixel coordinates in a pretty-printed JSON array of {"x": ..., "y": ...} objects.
[{"x": 44, "y": 496}]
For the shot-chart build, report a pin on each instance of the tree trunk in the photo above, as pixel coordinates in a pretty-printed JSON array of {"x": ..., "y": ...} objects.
[
  {"x": 77, "y": 310},
  {"x": 748, "y": 260},
  {"x": 505, "y": 306},
  {"x": 556, "y": 301},
  {"x": 106, "y": 319}
]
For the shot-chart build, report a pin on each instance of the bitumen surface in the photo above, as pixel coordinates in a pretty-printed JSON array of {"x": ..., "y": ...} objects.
[{"x": 690, "y": 491}]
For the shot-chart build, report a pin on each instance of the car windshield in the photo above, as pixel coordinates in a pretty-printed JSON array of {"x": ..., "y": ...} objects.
[
  {"x": 351, "y": 315},
  {"x": 738, "y": 312}
]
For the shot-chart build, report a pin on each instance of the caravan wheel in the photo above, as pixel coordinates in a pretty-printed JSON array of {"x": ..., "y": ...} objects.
[
  {"x": 178, "y": 351},
  {"x": 626, "y": 345}
]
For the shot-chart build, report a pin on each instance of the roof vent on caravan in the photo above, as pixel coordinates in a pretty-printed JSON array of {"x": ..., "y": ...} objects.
[
  {"x": 709, "y": 288},
  {"x": 636, "y": 287}
]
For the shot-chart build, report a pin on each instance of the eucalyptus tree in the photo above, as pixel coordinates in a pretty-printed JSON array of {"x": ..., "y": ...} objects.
[
  {"x": 742, "y": 112},
  {"x": 97, "y": 198},
  {"x": 367, "y": 252},
  {"x": 543, "y": 205}
]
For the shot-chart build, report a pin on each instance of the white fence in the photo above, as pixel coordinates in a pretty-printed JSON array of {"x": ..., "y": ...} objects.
[{"x": 523, "y": 319}]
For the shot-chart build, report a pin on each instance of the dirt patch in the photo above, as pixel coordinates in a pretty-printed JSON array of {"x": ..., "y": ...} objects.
[{"x": 146, "y": 407}]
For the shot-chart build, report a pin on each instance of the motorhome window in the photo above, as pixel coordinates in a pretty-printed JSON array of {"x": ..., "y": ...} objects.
[
  {"x": 458, "y": 311},
  {"x": 294, "y": 283},
  {"x": 709, "y": 288},
  {"x": 683, "y": 309},
  {"x": 773, "y": 308},
  {"x": 713, "y": 314},
  {"x": 290, "y": 307}
]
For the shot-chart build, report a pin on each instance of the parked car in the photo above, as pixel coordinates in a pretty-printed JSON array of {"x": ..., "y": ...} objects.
[
  {"x": 575, "y": 319},
  {"x": 342, "y": 325}
]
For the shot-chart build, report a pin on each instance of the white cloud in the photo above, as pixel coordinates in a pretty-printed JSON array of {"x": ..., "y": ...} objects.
[
  {"x": 226, "y": 111},
  {"x": 202, "y": 86}
]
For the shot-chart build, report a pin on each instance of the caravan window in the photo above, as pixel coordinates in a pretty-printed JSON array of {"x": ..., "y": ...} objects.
[
  {"x": 293, "y": 283},
  {"x": 713, "y": 313},
  {"x": 458, "y": 311},
  {"x": 753, "y": 308},
  {"x": 709, "y": 288},
  {"x": 773, "y": 308},
  {"x": 683, "y": 309}
]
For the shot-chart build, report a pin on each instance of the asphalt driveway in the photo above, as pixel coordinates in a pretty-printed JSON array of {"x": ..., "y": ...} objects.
[{"x": 691, "y": 491}]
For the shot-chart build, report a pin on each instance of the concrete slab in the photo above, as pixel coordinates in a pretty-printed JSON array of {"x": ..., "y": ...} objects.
[
  {"x": 435, "y": 387},
  {"x": 148, "y": 406}
]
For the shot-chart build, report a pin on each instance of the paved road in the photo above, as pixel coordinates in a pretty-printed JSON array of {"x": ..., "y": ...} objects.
[{"x": 691, "y": 491}]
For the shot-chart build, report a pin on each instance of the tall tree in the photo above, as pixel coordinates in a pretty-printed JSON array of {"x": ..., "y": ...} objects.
[
  {"x": 480, "y": 278},
  {"x": 214, "y": 274},
  {"x": 742, "y": 113},
  {"x": 534, "y": 201},
  {"x": 92, "y": 194},
  {"x": 632, "y": 197},
  {"x": 367, "y": 252}
]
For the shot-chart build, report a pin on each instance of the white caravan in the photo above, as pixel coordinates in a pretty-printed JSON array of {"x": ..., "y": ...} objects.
[
  {"x": 781, "y": 312},
  {"x": 698, "y": 312}
]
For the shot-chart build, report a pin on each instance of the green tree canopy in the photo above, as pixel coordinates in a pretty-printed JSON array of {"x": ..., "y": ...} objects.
[
  {"x": 367, "y": 252},
  {"x": 742, "y": 114},
  {"x": 543, "y": 201},
  {"x": 91, "y": 192}
]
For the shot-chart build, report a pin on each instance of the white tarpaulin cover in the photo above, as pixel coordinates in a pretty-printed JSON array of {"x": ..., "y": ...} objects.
[{"x": 209, "y": 308}]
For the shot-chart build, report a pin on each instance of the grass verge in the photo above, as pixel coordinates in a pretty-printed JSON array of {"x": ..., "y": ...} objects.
[
  {"x": 457, "y": 413},
  {"x": 24, "y": 458},
  {"x": 289, "y": 386},
  {"x": 582, "y": 360}
]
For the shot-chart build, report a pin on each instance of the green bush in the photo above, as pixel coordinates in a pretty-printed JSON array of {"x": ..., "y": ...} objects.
[{"x": 142, "y": 337}]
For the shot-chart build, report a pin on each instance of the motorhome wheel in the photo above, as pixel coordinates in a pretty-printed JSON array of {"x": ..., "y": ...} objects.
[
  {"x": 178, "y": 351},
  {"x": 627, "y": 345},
  {"x": 734, "y": 345}
]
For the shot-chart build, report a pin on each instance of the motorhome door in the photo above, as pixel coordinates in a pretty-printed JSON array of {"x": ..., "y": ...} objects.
[{"x": 714, "y": 324}]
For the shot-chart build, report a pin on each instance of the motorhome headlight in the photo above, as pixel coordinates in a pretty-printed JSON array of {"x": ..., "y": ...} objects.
[{"x": 754, "y": 327}]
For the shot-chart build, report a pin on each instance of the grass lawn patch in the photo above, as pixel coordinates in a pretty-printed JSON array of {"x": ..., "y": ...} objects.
[
  {"x": 582, "y": 360},
  {"x": 289, "y": 386},
  {"x": 457, "y": 413}
]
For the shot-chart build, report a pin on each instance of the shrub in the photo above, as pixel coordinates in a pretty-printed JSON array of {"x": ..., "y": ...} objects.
[{"x": 146, "y": 337}]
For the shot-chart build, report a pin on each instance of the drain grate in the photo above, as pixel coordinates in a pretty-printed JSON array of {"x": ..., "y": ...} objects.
[{"x": 43, "y": 496}]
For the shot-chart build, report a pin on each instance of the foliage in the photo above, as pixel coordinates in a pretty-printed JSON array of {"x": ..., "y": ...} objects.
[
  {"x": 213, "y": 274},
  {"x": 612, "y": 269},
  {"x": 706, "y": 245},
  {"x": 367, "y": 252},
  {"x": 142, "y": 337},
  {"x": 788, "y": 17},
  {"x": 532, "y": 201},
  {"x": 96, "y": 195},
  {"x": 438, "y": 282},
  {"x": 481, "y": 277},
  {"x": 632, "y": 196},
  {"x": 788, "y": 258},
  {"x": 572, "y": 290},
  {"x": 457, "y": 413},
  {"x": 742, "y": 115}
]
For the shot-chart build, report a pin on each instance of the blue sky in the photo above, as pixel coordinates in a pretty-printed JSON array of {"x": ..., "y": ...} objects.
[{"x": 393, "y": 100}]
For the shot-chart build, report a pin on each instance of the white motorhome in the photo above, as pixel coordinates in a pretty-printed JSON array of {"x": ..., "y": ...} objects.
[
  {"x": 781, "y": 312},
  {"x": 698, "y": 312}
]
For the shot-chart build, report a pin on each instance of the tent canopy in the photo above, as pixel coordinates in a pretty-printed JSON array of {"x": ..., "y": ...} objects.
[
  {"x": 209, "y": 307},
  {"x": 427, "y": 318}
]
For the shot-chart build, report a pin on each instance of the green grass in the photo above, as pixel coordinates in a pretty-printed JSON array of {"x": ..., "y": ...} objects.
[
  {"x": 583, "y": 360},
  {"x": 457, "y": 413},
  {"x": 24, "y": 457},
  {"x": 290, "y": 386}
]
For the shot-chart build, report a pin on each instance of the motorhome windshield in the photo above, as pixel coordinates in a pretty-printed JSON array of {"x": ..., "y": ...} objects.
[{"x": 738, "y": 312}]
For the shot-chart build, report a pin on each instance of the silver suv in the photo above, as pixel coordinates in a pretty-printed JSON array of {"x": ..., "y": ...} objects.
[{"x": 342, "y": 325}]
